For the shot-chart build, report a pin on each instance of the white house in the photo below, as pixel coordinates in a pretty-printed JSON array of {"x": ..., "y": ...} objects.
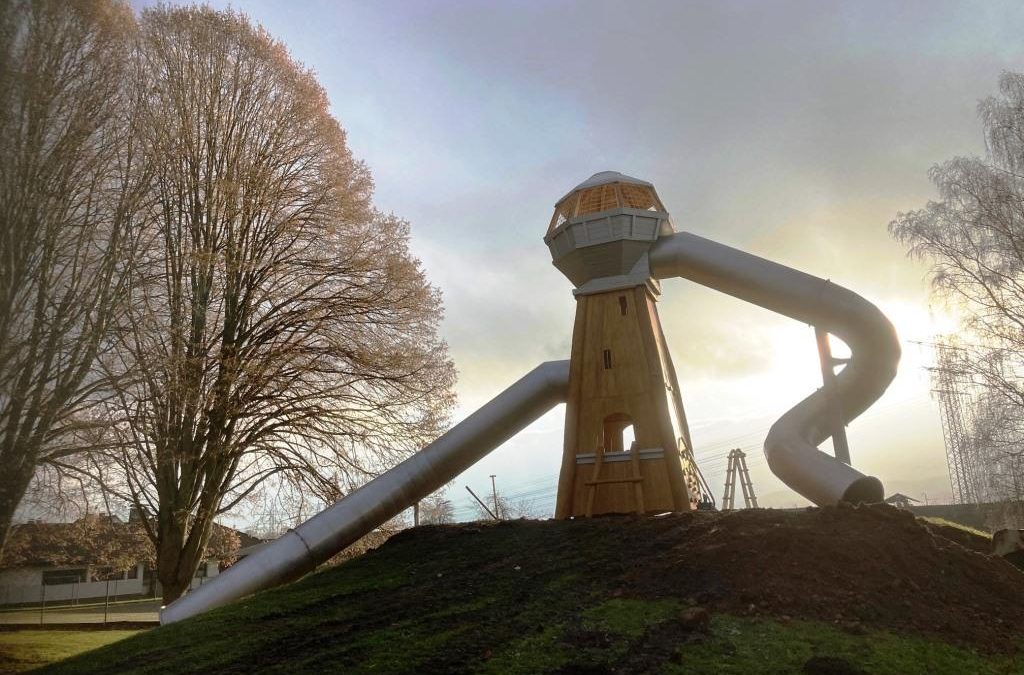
[{"x": 36, "y": 580}]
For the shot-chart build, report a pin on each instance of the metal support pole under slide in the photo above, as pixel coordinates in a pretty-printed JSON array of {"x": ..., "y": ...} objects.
[
  {"x": 299, "y": 551},
  {"x": 840, "y": 445},
  {"x": 791, "y": 445}
]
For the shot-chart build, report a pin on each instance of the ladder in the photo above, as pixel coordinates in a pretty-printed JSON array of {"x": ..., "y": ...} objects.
[
  {"x": 738, "y": 466},
  {"x": 636, "y": 479}
]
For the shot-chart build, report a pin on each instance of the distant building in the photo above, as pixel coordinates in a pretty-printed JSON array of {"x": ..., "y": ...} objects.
[
  {"x": 901, "y": 501},
  {"x": 47, "y": 566}
]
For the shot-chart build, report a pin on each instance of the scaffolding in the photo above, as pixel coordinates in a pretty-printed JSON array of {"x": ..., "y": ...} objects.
[
  {"x": 952, "y": 391},
  {"x": 982, "y": 430},
  {"x": 738, "y": 467}
]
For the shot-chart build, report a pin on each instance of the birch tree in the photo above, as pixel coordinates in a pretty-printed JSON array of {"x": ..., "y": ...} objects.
[{"x": 973, "y": 238}]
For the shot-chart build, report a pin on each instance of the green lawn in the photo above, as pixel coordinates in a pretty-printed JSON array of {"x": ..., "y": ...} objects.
[
  {"x": 639, "y": 636},
  {"x": 625, "y": 635},
  {"x": 740, "y": 646},
  {"x": 27, "y": 649}
]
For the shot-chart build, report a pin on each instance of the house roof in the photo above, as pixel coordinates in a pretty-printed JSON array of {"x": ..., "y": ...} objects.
[
  {"x": 86, "y": 541},
  {"x": 90, "y": 540},
  {"x": 899, "y": 497},
  {"x": 246, "y": 540}
]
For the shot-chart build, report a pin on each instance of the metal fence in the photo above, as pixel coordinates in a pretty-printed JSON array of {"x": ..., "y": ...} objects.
[
  {"x": 109, "y": 608},
  {"x": 94, "y": 602},
  {"x": 71, "y": 593}
]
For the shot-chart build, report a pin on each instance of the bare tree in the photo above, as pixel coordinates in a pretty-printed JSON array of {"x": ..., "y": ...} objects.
[
  {"x": 508, "y": 508},
  {"x": 998, "y": 438},
  {"x": 436, "y": 509},
  {"x": 973, "y": 236},
  {"x": 279, "y": 328},
  {"x": 69, "y": 185},
  {"x": 370, "y": 541}
]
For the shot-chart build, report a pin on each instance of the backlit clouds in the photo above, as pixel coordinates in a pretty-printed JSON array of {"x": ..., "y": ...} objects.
[{"x": 794, "y": 130}]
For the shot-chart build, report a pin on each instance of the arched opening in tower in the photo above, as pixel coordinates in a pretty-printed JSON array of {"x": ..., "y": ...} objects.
[{"x": 619, "y": 434}]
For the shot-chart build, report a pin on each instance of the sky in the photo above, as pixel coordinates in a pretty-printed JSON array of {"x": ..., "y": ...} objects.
[{"x": 793, "y": 130}]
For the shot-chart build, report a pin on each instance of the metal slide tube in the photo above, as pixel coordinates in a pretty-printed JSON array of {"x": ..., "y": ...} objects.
[
  {"x": 791, "y": 445},
  {"x": 299, "y": 551}
]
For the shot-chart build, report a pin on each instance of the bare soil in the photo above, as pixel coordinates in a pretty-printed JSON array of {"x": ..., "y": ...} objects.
[
  {"x": 868, "y": 566},
  {"x": 621, "y": 594}
]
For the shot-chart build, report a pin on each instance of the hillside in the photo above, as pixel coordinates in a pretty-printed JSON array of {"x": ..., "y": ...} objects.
[{"x": 834, "y": 590}]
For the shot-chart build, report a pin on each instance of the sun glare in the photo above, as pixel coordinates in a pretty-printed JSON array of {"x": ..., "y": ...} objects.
[
  {"x": 792, "y": 355},
  {"x": 919, "y": 323}
]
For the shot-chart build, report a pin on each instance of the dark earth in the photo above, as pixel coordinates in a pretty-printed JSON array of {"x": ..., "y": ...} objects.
[
  {"x": 866, "y": 566},
  {"x": 610, "y": 594},
  {"x": 875, "y": 565}
]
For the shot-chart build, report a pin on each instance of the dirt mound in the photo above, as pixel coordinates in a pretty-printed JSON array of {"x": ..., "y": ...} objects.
[
  {"x": 680, "y": 593},
  {"x": 870, "y": 566},
  {"x": 966, "y": 538},
  {"x": 874, "y": 565}
]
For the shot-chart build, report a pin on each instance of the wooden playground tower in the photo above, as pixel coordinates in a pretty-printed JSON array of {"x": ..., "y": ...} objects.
[{"x": 627, "y": 444}]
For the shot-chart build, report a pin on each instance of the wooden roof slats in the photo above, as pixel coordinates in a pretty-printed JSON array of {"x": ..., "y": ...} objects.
[
  {"x": 639, "y": 197},
  {"x": 603, "y": 198}
]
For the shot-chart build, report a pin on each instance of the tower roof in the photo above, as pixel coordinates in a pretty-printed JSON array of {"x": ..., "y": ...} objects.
[
  {"x": 604, "y": 178},
  {"x": 605, "y": 191},
  {"x": 601, "y": 231}
]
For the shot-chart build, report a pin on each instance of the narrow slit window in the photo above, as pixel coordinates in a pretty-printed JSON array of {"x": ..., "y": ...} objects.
[
  {"x": 623, "y": 304},
  {"x": 607, "y": 359}
]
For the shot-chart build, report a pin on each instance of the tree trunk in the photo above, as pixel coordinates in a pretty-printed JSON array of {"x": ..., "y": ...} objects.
[
  {"x": 12, "y": 487},
  {"x": 172, "y": 569},
  {"x": 174, "y": 572},
  {"x": 173, "y": 589},
  {"x": 6, "y": 515},
  {"x": 181, "y": 548}
]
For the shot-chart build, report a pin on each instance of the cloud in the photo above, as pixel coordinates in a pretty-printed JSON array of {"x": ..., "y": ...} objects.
[{"x": 795, "y": 130}]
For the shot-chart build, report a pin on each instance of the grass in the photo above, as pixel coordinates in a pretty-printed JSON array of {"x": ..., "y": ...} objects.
[
  {"x": 28, "y": 649},
  {"x": 734, "y": 645},
  {"x": 740, "y": 646},
  {"x": 950, "y": 523},
  {"x": 524, "y": 599},
  {"x": 604, "y": 634},
  {"x": 610, "y": 635}
]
